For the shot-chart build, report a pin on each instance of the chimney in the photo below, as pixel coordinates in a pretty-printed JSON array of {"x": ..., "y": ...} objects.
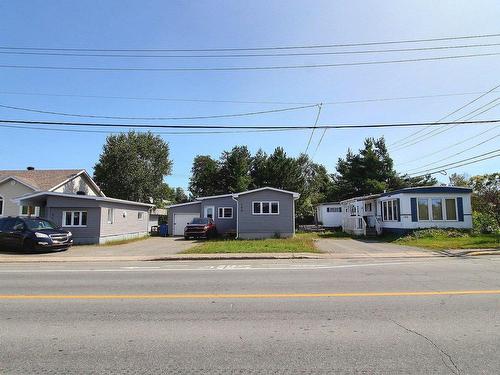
[{"x": 30, "y": 168}]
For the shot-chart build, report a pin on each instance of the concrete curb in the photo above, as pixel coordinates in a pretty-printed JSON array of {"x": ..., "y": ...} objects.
[{"x": 220, "y": 257}]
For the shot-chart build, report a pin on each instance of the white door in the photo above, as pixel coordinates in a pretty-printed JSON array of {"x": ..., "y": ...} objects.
[
  {"x": 209, "y": 211},
  {"x": 180, "y": 222}
]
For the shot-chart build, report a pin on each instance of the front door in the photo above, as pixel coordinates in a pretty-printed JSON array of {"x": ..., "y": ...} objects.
[{"x": 209, "y": 212}]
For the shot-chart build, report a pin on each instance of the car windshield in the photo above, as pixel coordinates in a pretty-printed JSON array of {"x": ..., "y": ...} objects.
[
  {"x": 199, "y": 220},
  {"x": 37, "y": 224}
]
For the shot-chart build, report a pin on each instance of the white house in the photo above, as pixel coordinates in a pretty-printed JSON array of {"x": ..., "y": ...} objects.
[
  {"x": 329, "y": 214},
  {"x": 407, "y": 209}
]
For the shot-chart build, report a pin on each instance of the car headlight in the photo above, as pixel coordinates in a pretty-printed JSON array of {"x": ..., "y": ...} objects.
[
  {"x": 70, "y": 234},
  {"x": 41, "y": 235}
]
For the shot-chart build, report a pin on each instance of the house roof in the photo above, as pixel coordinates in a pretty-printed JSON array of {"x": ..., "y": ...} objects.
[
  {"x": 214, "y": 197},
  {"x": 328, "y": 203},
  {"x": 183, "y": 204},
  {"x": 76, "y": 196},
  {"x": 429, "y": 190},
  {"x": 40, "y": 179},
  {"x": 294, "y": 194}
]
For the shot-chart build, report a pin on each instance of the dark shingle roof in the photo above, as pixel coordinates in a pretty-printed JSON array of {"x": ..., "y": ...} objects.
[{"x": 39, "y": 178}]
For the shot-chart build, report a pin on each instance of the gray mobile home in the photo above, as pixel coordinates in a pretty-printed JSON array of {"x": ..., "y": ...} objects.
[{"x": 253, "y": 214}]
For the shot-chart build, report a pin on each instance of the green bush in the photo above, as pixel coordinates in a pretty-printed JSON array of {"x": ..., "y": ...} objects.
[
  {"x": 437, "y": 233},
  {"x": 483, "y": 222}
]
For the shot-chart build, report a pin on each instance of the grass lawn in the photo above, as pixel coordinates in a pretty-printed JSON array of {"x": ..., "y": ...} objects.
[
  {"x": 123, "y": 242},
  {"x": 440, "y": 240},
  {"x": 301, "y": 243}
]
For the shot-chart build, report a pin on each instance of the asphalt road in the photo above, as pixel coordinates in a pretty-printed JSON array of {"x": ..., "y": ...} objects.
[{"x": 287, "y": 317}]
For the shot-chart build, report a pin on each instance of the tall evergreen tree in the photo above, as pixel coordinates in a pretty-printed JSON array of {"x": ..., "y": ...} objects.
[{"x": 235, "y": 169}]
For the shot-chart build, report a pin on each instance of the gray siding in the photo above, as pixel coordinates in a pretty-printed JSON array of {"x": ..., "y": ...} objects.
[
  {"x": 262, "y": 226},
  {"x": 79, "y": 183},
  {"x": 126, "y": 223},
  {"x": 222, "y": 225},
  {"x": 12, "y": 189},
  {"x": 81, "y": 235},
  {"x": 187, "y": 209}
]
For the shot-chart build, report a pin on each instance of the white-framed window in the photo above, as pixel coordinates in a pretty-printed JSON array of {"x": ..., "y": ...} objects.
[
  {"x": 437, "y": 209},
  {"x": 225, "y": 212},
  {"x": 390, "y": 210},
  {"x": 1, "y": 205},
  {"x": 29, "y": 211},
  {"x": 266, "y": 208},
  {"x": 74, "y": 219},
  {"x": 140, "y": 215},
  {"x": 334, "y": 209},
  {"x": 110, "y": 215},
  {"x": 368, "y": 207}
]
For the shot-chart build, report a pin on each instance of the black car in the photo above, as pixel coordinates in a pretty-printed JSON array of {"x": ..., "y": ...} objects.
[{"x": 35, "y": 234}]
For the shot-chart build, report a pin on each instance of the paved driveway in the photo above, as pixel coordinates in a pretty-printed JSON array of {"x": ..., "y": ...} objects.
[
  {"x": 350, "y": 248},
  {"x": 150, "y": 247}
]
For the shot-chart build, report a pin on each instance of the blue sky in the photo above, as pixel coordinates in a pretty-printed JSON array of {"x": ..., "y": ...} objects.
[{"x": 214, "y": 24}]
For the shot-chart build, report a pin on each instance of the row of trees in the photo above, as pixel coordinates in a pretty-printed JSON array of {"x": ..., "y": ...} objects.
[{"x": 366, "y": 172}]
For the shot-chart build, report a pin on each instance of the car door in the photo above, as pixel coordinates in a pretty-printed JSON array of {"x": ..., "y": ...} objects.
[
  {"x": 7, "y": 240},
  {"x": 2, "y": 224},
  {"x": 17, "y": 234}
]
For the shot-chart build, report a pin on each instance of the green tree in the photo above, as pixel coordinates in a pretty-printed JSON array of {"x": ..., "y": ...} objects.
[
  {"x": 486, "y": 195},
  {"x": 205, "y": 175},
  {"x": 235, "y": 169},
  {"x": 132, "y": 166},
  {"x": 180, "y": 196},
  {"x": 370, "y": 171}
]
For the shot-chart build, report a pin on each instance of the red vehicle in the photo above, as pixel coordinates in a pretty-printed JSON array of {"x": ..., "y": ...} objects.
[{"x": 200, "y": 228}]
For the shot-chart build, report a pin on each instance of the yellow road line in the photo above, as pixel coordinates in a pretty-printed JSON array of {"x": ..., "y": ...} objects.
[{"x": 243, "y": 296}]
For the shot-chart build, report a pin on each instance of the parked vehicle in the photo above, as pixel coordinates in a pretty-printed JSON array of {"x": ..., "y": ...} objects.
[
  {"x": 200, "y": 228},
  {"x": 20, "y": 233}
]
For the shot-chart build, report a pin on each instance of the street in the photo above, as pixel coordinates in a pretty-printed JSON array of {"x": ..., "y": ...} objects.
[{"x": 251, "y": 317}]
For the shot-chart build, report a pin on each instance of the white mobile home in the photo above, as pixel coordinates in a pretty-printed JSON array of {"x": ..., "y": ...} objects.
[{"x": 403, "y": 210}]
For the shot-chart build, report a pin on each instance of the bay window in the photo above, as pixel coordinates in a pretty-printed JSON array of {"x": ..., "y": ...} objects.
[
  {"x": 437, "y": 209},
  {"x": 423, "y": 209},
  {"x": 390, "y": 210}
]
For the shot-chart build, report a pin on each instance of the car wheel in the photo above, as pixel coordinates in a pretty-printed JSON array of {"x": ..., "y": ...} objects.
[{"x": 186, "y": 237}]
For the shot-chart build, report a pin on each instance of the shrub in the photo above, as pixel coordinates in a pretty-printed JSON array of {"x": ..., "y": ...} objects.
[
  {"x": 436, "y": 233},
  {"x": 484, "y": 222}
]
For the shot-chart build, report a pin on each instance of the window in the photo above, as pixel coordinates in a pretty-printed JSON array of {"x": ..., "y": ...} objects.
[
  {"x": 266, "y": 208},
  {"x": 74, "y": 219},
  {"x": 29, "y": 211},
  {"x": 333, "y": 209},
  {"x": 368, "y": 207},
  {"x": 451, "y": 209},
  {"x": 111, "y": 215},
  {"x": 225, "y": 212},
  {"x": 437, "y": 209},
  {"x": 423, "y": 209},
  {"x": 440, "y": 209},
  {"x": 140, "y": 215},
  {"x": 390, "y": 210}
]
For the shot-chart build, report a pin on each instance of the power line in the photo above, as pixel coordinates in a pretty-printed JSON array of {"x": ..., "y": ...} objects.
[
  {"x": 447, "y": 147},
  {"x": 256, "y": 48},
  {"x": 156, "y": 132},
  {"x": 156, "y": 118},
  {"x": 315, "y": 124},
  {"x": 452, "y": 165},
  {"x": 445, "y": 117},
  {"x": 239, "y": 55},
  {"x": 247, "y": 127},
  {"x": 239, "y": 101},
  {"x": 456, "y": 154},
  {"x": 241, "y": 68},
  {"x": 437, "y": 131}
]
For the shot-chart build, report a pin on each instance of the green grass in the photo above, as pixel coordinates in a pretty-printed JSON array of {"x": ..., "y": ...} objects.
[
  {"x": 123, "y": 242},
  {"x": 301, "y": 243},
  {"x": 448, "y": 239}
]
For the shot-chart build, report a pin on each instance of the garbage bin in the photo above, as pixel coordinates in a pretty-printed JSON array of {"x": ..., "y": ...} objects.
[{"x": 163, "y": 230}]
